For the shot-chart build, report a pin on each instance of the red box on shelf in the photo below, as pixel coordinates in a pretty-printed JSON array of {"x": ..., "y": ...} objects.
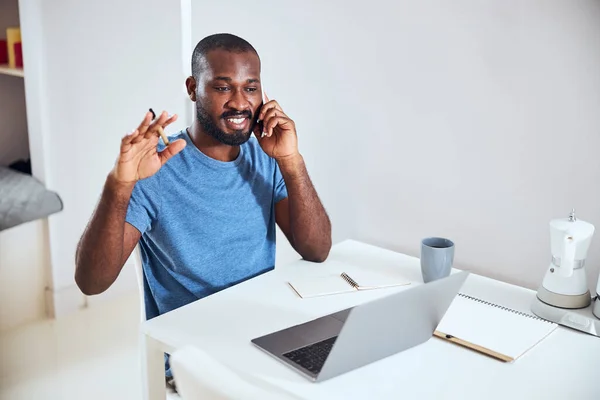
[
  {"x": 18, "y": 55},
  {"x": 3, "y": 51}
]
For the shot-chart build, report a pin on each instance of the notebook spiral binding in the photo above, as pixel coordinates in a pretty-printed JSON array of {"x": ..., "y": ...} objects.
[
  {"x": 351, "y": 281},
  {"x": 502, "y": 307}
]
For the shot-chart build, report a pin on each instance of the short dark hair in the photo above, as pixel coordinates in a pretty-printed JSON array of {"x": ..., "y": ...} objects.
[{"x": 224, "y": 41}]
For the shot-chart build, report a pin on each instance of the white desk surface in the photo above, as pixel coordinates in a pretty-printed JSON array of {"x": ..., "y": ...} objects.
[{"x": 565, "y": 365}]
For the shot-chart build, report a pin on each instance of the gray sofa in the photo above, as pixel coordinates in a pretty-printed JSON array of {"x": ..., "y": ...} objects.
[{"x": 23, "y": 198}]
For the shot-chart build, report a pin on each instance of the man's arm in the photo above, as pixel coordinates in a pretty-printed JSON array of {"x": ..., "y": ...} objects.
[
  {"x": 301, "y": 216},
  {"x": 107, "y": 241}
]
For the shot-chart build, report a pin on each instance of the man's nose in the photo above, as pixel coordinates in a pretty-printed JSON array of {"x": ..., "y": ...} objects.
[{"x": 238, "y": 101}]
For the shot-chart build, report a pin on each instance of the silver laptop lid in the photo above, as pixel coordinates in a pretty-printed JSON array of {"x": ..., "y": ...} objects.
[{"x": 388, "y": 325}]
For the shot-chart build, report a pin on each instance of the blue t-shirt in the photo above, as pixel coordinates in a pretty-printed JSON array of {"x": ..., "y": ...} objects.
[{"x": 206, "y": 224}]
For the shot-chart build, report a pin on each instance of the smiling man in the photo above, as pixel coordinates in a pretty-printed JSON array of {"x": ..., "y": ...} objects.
[{"x": 204, "y": 208}]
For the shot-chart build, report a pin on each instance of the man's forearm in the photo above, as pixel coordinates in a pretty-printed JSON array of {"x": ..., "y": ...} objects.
[
  {"x": 309, "y": 223},
  {"x": 99, "y": 255}
]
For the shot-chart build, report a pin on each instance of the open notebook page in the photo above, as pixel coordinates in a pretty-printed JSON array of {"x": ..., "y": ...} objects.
[
  {"x": 491, "y": 326},
  {"x": 366, "y": 279},
  {"x": 320, "y": 286},
  {"x": 335, "y": 284}
]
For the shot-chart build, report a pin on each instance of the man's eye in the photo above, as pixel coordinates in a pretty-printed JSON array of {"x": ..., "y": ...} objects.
[
  {"x": 251, "y": 89},
  {"x": 221, "y": 88}
]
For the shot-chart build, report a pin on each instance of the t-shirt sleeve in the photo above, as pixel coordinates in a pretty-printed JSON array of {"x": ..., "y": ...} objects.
[
  {"x": 144, "y": 204},
  {"x": 280, "y": 188}
]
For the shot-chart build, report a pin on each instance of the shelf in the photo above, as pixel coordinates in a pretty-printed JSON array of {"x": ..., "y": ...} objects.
[{"x": 6, "y": 70}]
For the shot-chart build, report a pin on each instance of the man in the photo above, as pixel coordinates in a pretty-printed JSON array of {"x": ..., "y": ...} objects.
[{"x": 203, "y": 208}]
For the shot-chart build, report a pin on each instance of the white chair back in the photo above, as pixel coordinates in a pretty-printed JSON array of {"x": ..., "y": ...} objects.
[
  {"x": 139, "y": 272},
  {"x": 199, "y": 376}
]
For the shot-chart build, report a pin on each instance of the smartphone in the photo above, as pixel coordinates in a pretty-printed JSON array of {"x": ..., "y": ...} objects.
[{"x": 260, "y": 123}]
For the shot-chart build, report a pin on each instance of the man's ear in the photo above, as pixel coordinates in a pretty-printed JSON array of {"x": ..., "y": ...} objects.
[{"x": 190, "y": 84}]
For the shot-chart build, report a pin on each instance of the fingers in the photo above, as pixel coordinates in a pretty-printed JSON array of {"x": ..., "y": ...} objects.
[
  {"x": 160, "y": 128},
  {"x": 271, "y": 109},
  {"x": 143, "y": 127},
  {"x": 127, "y": 140},
  {"x": 169, "y": 121},
  {"x": 160, "y": 121},
  {"x": 149, "y": 128},
  {"x": 129, "y": 137},
  {"x": 267, "y": 107},
  {"x": 274, "y": 112},
  {"x": 173, "y": 148},
  {"x": 279, "y": 121}
]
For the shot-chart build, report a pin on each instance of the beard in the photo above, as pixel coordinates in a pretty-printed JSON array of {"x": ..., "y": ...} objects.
[{"x": 210, "y": 127}]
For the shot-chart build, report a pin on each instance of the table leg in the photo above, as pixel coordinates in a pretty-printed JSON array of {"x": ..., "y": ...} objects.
[{"x": 153, "y": 369}]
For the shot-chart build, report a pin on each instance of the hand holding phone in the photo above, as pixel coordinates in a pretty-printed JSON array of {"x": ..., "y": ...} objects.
[{"x": 276, "y": 132}]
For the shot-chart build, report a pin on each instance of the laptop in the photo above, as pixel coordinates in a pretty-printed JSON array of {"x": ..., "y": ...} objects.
[{"x": 340, "y": 342}]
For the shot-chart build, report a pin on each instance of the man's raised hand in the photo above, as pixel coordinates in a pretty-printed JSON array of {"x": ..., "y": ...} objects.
[{"x": 139, "y": 158}]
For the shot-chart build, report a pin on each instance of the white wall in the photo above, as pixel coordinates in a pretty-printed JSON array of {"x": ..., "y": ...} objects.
[
  {"x": 14, "y": 144},
  {"x": 103, "y": 65},
  {"x": 484, "y": 125}
]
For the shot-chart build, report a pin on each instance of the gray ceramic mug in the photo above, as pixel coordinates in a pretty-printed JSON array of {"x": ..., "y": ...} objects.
[{"x": 437, "y": 257}]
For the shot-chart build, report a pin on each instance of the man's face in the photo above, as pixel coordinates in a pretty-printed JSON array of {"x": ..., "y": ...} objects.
[{"x": 229, "y": 96}]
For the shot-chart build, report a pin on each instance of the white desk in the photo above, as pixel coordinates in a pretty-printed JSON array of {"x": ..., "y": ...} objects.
[{"x": 566, "y": 365}]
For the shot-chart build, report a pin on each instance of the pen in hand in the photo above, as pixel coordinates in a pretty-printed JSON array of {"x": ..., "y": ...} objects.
[{"x": 160, "y": 129}]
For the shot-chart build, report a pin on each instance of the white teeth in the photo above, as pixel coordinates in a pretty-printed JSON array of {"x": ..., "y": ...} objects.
[{"x": 236, "y": 120}]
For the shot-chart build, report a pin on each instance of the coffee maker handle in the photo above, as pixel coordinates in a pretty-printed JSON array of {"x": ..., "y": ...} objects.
[{"x": 568, "y": 259}]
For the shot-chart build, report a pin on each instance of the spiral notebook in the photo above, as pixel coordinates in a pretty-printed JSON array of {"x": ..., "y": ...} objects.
[{"x": 491, "y": 329}]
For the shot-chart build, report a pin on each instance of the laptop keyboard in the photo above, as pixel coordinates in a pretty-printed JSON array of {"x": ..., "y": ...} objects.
[{"x": 313, "y": 356}]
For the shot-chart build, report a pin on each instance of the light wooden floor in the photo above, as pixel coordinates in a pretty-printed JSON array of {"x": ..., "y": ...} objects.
[{"x": 90, "y": 355}]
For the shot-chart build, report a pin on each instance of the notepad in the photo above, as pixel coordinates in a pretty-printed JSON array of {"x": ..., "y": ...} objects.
[
  {"x": 344, "y": 283},
  {"x": 491, "y": 329}
]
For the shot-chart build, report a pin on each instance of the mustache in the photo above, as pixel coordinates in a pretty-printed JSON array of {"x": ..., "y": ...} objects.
[{"x": 236, "y": 114}]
